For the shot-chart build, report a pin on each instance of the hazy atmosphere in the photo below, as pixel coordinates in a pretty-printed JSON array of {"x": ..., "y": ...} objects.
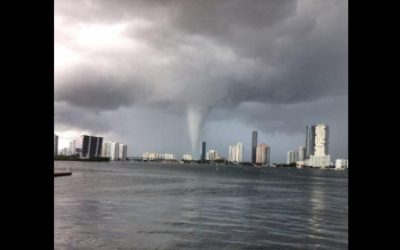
[{"x": 165, "y": 75}]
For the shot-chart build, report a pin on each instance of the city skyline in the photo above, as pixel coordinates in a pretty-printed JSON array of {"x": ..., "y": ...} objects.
[
  {"x": 164, "y": 79},
  {"x": 316, "y": 139}
]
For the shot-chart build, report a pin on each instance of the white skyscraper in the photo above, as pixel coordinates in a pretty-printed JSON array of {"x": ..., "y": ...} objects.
[
  {"x": 302, "y": 153},
  {"x": 213, "y": 155},
  {"x": 72, "y": 147},
  {"x": 239, "y": 152},
  {"x": 122, "y": 151},
  {"x": 125, "y": 154},
  {"x": 321, "y": 157},
  {"x": 262, "y": 154},
  {"x": 321, "y": 140},
  {"x": 232, "y": 153},
  {"x": 114, "y": 154},
  {"x": 295, "y": 155},
  {"x": 236, "y": 152},
  {"x": 292, "y": 156},
  {"x": 106, "y": 149}
]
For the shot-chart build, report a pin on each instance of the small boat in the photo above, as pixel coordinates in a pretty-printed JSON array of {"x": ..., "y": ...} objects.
[{"x": 62, "y": 173}]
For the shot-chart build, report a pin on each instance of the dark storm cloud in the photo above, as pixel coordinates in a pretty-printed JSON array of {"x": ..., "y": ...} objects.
[
  {"x": 299, "y": 56},
  {"x": 189, "y": 58},
  {"x": 94, "y": 87},
  {"x": 79, "y": 118}
]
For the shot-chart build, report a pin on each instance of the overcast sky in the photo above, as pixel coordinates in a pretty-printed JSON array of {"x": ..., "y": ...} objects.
[{"x": 165, "y": 75}]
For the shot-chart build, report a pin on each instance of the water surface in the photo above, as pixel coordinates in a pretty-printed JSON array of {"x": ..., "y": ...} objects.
[{"x": 125, "y": 205}]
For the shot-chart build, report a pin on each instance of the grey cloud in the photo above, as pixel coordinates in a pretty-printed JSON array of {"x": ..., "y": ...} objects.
[
  {"x": 287, "y": 118},
  {"x": 79, "y": 118},
  {"x": 224, "y": 18},
  {"x": 294, "y": 62},
  {"x": 97, "y": 88}
]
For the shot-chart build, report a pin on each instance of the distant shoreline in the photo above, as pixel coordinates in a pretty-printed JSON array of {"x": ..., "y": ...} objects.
[
  {"x": 57, "y": 158},
  {"x": 246, "y": 165}
]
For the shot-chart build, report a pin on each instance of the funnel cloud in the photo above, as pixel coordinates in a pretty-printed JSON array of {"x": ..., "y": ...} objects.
[{"x": 166, "y": 75}]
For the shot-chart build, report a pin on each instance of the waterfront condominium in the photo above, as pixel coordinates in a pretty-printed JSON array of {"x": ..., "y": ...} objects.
[
  {"x": 236, "y": 152},
  {"x": 263, "y": 154},
  {"x": 114, "y": 151},
  {"x": 320, "y": 156},
  {"x": 213, "y": 155},
  {"x": 87, "y": 146},
  {"x": 290, "y": 157},
  {"x": 123, "y": 151},
  {"x": 294, "y": 156},
  {"x": 106, "y": 149}
]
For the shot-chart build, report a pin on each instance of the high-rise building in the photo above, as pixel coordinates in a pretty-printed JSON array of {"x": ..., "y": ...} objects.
[
  {"x": 307, "y": 140},
  {"x": 295, "y": 155},
  {"x": 262, "y": 154},
  {"x": 203, "y": 151},
  {"x": 302, "y": 153},
  {"x": 55, "y": 144},
  {"x": 321, "y": 140},
  {"x": 125, "y": 152},
  {"x": 88, "y": 146},
  {"x": 239, "y": 152},
  {"x": 122, "y": 152},
  {"x": 106, "y": 149},
  {"x": 310, "y": 141},
  {"x": 72, "y": 147},
  {"x": 213, "y": 155},
  {"x": 320, "y": 156},
  {"x": 114, "y": 152},
  {"x": 232, "y": 153},
  {"x": 236, "y": 152},
  {"x": 253, "y": 146},
  {"x": 289, "y": 158}
]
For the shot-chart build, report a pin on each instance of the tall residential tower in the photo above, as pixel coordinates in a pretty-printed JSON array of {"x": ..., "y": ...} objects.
[
  {"x": 254, "y": 146},
  {"x": 236, "y": 152},
  {"x": 88, "y": 146},
  {"x": 263, "y": 154},
  {"x": 320, "y": 155}
]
